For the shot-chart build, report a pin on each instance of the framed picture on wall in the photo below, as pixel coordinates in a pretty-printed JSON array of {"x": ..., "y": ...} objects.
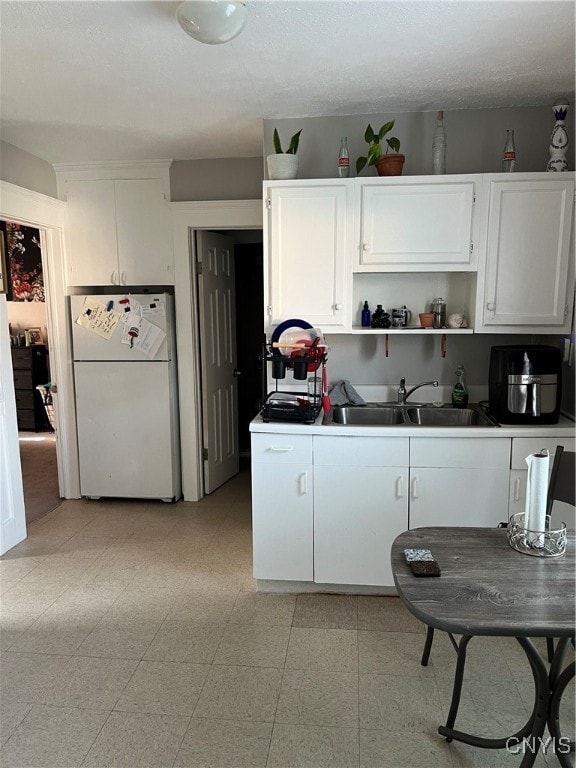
[{"x": 35, "y": 336}]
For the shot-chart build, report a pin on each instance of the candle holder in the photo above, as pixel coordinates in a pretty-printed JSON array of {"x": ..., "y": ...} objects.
[{"x": 537, "y": 543}]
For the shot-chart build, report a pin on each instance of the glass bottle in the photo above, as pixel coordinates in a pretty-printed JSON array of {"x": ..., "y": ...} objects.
[
  {"x": 509, "y": 154},
  {"x": 366, "y": 315},
  {"x": 439, "y": 146},
  {"x": 344, "y": 159},
  {"x": 459, "y": 392}
]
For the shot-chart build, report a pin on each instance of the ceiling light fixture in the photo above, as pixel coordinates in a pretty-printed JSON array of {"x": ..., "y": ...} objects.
[{"x": 212, "y": 21}]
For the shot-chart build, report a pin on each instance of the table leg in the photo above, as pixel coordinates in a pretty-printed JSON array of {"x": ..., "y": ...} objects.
[
  {"x": 558, "y": 682},
  {"x": 531, "y": 731},
  {"x": 427, "y": 646}
]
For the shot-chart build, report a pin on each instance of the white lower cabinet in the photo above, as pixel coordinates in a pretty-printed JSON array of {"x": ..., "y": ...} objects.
[
  {"x": 360, "y": 506},
  {"x": 458, "y": 481},
  {"x": 521, "y": 448},
  {"x": 282, "y": 507}
]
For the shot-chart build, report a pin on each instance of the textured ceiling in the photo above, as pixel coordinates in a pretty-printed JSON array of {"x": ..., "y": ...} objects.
[{"x": 120, "y": 80}]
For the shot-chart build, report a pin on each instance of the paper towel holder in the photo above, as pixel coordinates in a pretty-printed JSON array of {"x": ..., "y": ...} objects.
[{"x": 546, "y": 543}]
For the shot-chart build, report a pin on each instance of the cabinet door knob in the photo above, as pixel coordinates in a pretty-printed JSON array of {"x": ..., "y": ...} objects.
[
  {"x": 414, "y": 493},
  {"x": 303, "y": 483},
  {"x": 517, "y": 489},
  {"x": 365, "y": 246},
  {"x": 400, "y": 487},
  {"x": 113, "y": 278},
  {"x": 491, "y": 306},
  {"x": 337, "y": 306},
  {"x": 123, "y": 278}
]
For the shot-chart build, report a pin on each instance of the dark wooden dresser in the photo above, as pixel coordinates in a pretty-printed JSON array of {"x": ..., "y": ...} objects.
[{"x": 30, "y": 368}]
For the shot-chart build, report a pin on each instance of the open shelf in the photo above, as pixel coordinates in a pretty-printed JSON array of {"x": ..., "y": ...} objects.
[{"x": 412, "y": 329}]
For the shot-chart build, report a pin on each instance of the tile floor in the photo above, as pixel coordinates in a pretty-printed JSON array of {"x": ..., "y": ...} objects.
[{"x": 132, "y": 635}]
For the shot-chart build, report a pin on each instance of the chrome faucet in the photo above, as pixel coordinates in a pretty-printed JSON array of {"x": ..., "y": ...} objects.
[{"x": 403, "y": 395}]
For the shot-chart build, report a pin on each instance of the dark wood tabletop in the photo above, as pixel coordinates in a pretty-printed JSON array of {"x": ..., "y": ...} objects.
[{"x": 486, "y": 587}]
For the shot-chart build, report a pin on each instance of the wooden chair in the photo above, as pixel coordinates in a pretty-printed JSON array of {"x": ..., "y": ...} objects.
[{"x": 561, "y": 487}]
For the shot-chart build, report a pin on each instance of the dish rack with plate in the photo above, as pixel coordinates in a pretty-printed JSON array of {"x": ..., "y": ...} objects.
[{"x": 300, "y": 407}]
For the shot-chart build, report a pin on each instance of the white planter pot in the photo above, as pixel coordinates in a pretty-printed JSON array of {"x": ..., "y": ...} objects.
[{"x": 282, "y": 166}]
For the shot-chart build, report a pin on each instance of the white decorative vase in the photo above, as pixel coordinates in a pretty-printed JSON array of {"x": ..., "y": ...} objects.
[
  {"x": 282, "y": 166},
  {"x": 559, "y": 139}
]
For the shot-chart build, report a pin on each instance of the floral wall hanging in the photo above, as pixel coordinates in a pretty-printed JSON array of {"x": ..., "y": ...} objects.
[{"x": 24, "y": 259}]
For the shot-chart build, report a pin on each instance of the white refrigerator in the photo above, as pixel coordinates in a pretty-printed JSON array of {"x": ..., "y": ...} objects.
[{"x": 126, "y": 395}]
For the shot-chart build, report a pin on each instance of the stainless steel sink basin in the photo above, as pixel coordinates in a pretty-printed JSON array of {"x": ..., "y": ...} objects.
[
  {"x": 366, "y": 415},
  {"x": 386, "y": 415},
  {"x": 448, "y": 417}
]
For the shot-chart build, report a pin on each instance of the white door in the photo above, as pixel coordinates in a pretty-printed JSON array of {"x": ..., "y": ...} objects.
[
  {"x": 93, "y": 249},
  {"x": 405, "y": 225},
  {"x": 528, "y": 253},
  {"x": 12, "y": 515},
  {"x": 217, "y": 304},
  {"x": 145, "y": 251},
  {"x": 308, "y": 235}
]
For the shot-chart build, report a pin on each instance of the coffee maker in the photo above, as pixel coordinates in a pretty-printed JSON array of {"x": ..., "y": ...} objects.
[{"x": 525, "y": 384}]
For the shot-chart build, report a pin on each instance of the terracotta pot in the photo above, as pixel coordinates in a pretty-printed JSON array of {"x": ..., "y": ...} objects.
[{"x": 390, "y": 165}]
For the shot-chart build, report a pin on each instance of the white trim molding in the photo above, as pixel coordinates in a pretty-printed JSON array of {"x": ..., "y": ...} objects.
[{"x": 186, "y": 217}]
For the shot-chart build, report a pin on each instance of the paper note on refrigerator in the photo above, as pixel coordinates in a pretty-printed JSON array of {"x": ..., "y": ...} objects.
[
  {"x": 144, "y": 336},
  {"x": 97, "y": 319},
  {"x": 154, "y": 307},
  {"x": 130, "y": 308}
]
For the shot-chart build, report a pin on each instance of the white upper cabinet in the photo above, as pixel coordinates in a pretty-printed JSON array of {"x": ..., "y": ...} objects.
[
  {"x": 527, "y": 281},
  {"x": 119, "y": 232},
  {"x": 416, "y": 224},
  {"x": 307, "y": 237}
]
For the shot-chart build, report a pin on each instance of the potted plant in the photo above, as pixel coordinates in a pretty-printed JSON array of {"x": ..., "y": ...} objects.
[
  {"x": 388, "y": 164},
  {"x": 284, "y": 165}
]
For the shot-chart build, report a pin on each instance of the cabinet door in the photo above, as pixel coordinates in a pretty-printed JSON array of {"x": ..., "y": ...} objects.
[
  {"x": 416, "y": 226},
  {"x": 308, "y": 245},
  {"x": 92, "y": 245},
  {"x": 282, "y": 512},
  {"x": 358, "y": 512},
  {"x": 144, "y": 226},
  {"x": 458, "y": 496},
  {"x": 527, "y": 253}
]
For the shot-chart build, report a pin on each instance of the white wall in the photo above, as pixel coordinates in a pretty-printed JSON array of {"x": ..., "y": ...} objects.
[
  {"x": 475, "y": 139},
  {"x": 26, "y": 170}
]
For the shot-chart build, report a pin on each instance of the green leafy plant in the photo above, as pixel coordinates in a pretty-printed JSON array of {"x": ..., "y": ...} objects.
[
  {"x": 375, "y": 146},
  {"x": 292, "y": 147}
]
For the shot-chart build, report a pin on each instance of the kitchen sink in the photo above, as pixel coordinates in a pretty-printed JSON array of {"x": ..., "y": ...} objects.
[
  {"x": 386, "y": 415},
  {"x": 367, "y": 415},
  {"x": 448, "y": 417}
]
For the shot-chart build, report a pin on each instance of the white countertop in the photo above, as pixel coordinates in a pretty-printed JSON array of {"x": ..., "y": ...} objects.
[{"x": 564, "y": 428}]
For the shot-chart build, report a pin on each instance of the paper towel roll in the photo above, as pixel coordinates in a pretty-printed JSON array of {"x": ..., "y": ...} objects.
[{"x": 536, "y": 494}]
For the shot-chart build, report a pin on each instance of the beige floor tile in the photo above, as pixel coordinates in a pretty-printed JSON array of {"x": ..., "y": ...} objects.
[
  {"x": 392, "y": 653},
  {"x": 264, "y": 609},
  {"x": 11, "y": 630},
  {"x": 333, "y": 650},
  {"x": 60, "y": 569},
  {"x": 124, "y": 639},
  {"x": 318, "y": 698},
  {"x": 388, "y": 749},
  {"x": 6, "y": 585},
  {"x": 23, "y": 676},
  {"x": 85, "y": 598},
  {"x": 16, "y": 569},
  {"x": 186, "y": 641},
  {"x": 398, "y": 703},
  {"x": 52, "y": 736},
  {"x": 90, "y": 683},
  {"x": 164, "y": 688},
  {"x": 253, "y": 646},
  {"x": 225, "y": 744},
  {"x": 202, "y": 606},
  {"x": 61, "y": 636},
  {"x": 11, "y": 715},
  {"x": 240, "y": 693},
  {"x": 326, "y": 611},
  {"x": 485, "y": 658},
  {"x": 387, "y": 614},
  {"x": 31, "y": 599},
  {"x": 128, "y": 739},
  {"x": 301, "y": 746}
]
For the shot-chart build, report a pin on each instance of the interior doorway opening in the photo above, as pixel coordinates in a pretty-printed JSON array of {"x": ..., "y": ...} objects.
[
  {"x": 248, "y": 302},
  {"x": 28, "y": 321}
]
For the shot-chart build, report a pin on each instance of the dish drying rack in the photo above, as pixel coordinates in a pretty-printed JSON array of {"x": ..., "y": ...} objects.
[{"x": 302, "y": 407}]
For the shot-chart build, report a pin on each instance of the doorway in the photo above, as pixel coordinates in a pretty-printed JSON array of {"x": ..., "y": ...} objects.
[
  {"x": 28, "y": 330},
  {"x": 247, "y": 303}
]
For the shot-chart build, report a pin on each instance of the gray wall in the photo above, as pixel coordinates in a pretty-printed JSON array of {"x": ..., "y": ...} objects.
[
  {"x": 475, "y": 139},
  {"x": 228, "y": 179},
  {"x": 26, "y": 170}
]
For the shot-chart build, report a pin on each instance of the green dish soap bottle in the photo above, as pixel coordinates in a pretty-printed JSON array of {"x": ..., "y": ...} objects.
[{"x": 459, "y": 391}]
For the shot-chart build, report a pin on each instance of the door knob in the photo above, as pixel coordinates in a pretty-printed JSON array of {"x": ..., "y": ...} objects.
[
  {"x": 337, "y": 306},
  {"x": 491, "y": 306},
  {"x": 236, "y": 373}
]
